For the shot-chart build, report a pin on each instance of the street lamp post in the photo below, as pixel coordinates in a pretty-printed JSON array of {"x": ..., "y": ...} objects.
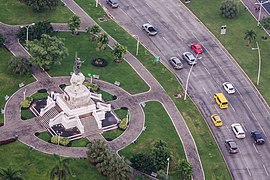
[
  {"x": 138, "y": 43},
  {"x": 185, "y": 97},
  {"x": 96, "y": 3},
  {"x": 167, "y": 172},
  {"x": 260, "y": 3},
  {"x": 24, "y": 94},
  {"x": 27, "y": 27},
  {"x": 259, "y": 54}
]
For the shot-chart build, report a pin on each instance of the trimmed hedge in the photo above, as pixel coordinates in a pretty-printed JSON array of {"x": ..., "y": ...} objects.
[
  {"x": 99, "y": 62},
  {"x": 63, "y": 140}
]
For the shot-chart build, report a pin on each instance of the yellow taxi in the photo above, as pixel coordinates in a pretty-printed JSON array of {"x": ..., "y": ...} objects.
[{"x": 216, "y": 120}]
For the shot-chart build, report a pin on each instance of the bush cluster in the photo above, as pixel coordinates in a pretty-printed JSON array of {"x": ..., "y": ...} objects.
[
  {"x": 27, "y": 102},
  {"x": 93, "y": 87},
  {"x": 99, "y": 62},
  {"x": 123, "y": 124},
  {"x": 62, "y": 140}
]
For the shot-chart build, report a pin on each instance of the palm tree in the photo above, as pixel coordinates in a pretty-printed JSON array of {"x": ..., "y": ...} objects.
[
  {"x": 10, "y": 174},
  {"x": 18, "y": 65},
  {"x": 102, "y": 41},
  {"x": 250, "y": 35},
  {"x": 118, "y": 52},
  {"x": 61, "y": 170},
  {"x": 97, "y": 151},
  {"x": 74, "y": 23},
  {"x": 93, "y": 31}
]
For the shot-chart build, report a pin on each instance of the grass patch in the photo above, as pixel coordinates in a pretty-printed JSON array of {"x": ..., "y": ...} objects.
[
  {"x": 158, "y": 127},
  {"x": 171, "y": 85},
  {"x": 111, "y": 135},
  {"x": 36, "y": 164},
  {"x": 45, "y": 136},
  {"x": 105, "y": 95},
  {"x": 208, "y": 12},
  {"x": 38, "y": 96},
  {"x": 121, "y": 113},
  {"x": 79, "y": 143},
  {"x": 86, "y": 50},
  {"x": 26, "y": 114},
  {"x": 15, "y": 12},
  {"x": 9, "y": 82}
]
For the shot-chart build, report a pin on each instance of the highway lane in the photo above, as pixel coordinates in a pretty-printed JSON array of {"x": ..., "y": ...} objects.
[{"x": 177, "y": 30}]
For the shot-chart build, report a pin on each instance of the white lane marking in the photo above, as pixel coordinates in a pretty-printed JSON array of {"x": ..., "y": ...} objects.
[
  {"x": 217, "y": 109},
  {"x": 207, "y": 70},
  {"x": 255, "y": 147},
  {"x": 265, "y": 170},
  {"x": 245, "y": 129},
  {"x": 232, "y": 107},
  {"x": 249, "y": 172},
  {"x": 165, "y": 40}
]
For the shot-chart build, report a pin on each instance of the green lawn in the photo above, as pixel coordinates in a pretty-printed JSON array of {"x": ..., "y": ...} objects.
[
  {"x": 26, "y": 114},
  {"x": 15, "y": 12},
  {"x": 212, "y": 169},
  {"x": 39, "y": 96},
  {"x": 208, "y": 12},
  {"x": 105, "y": 95},
  {"x": 9, "y": 82},
  {"x": 86, "y": 50},
  {"x": 111, "y": 135},
  {"x": 121, "y": 113},
  {"x": 158, "y": 127},
  {"x": 36, "y": 164}
]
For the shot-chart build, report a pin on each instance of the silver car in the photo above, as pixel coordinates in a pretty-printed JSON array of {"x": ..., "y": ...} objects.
[
  {"x": 149, "y": 29},
  {"x": 176, "y": 62},
  {"x": 112, "y": 3},
  {"x": 189, "y": 57}
]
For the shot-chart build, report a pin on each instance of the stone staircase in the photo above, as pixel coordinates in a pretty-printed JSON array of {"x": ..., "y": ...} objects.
[
  {"x": 91, "y": 130},
  {"x": 45, "y": 119}
]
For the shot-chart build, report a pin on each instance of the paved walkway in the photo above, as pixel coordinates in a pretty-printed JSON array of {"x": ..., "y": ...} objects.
[{"x": 15, "y": 126}]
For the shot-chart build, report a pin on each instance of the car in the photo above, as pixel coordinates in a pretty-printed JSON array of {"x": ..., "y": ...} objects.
[
  {"x": 229, "y": 87},
  {"x": 231, "y": 146},
  {"x": 216, "y": 120},
  {"x": 189, "y": 57},
  {"x": 258, "y": 138},
  {"x": 238, "y": 131},
  {"x": 176, "y": 62},
  {"x": 149, "y": 29},
  {"x": 112, "y": 3},
  {"x": 196, "y": 48}
]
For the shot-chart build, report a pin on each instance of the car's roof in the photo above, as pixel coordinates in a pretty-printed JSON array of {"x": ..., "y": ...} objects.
[
  {"x": 189, "y": 54},
  {"x": 229, "y": 84},
  {"x": 232, "y": 144},
  {"x": 197, "y": 45},
  {"x": 258, "y": 135},
  {"x": 176, "y": 59}
]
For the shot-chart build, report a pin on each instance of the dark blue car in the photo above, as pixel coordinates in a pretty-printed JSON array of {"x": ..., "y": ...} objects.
[{"x": 258, "y": 138}]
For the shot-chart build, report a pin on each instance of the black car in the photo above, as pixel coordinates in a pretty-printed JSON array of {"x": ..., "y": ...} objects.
[
  {"x": 258, "y": 138},
  {"x": 231, "y": 146}
]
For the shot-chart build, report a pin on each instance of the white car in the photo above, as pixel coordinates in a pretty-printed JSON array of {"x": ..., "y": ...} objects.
[
  {"x": 149, "y": 29},
  {"x": 228, "y": 87},
  {"x": 238, "y": 131}
]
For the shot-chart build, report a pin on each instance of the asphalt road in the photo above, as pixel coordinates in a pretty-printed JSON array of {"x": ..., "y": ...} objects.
[{"x": 177, "y": 30}]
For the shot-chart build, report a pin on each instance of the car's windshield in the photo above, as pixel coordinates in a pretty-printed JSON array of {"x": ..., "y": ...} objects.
[{"x": 151, "y": 29}]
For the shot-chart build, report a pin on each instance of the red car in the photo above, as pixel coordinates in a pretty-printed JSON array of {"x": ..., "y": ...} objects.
[{"x": 197, "y": 48}]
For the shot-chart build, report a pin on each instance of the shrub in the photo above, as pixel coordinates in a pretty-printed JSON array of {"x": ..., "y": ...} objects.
[
  {"x": 99, "y": 62},
  {"x": 54, "y": 139},
  {"x": 2, "y": 40},
  {"x": 62, "y": 86},
  {"x": 123, "y": 124},
  {"x": 19, "y": 65},
  {"x": 93, "y": 87},
  {"x": 25, "y": 103},
  {"x": 229, "y": 9},
  {"x": 1, "y": 124},
  {"x": 64, "y": 141},
  {"x": 114, "y": 97}
]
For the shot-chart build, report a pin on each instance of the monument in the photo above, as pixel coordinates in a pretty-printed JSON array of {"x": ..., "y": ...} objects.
[{"x": 76, "y": 101}]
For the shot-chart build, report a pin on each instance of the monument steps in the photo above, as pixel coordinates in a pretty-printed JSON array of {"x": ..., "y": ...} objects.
[{"x": 45, "y": 119}]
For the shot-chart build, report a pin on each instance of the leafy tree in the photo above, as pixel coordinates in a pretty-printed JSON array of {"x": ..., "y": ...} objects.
[
  {"x": 35, "y": 31},
  {"x": 229, "y": 9},
  {"x": 250, "y": 35},
  {"x": 10, "y": 174},
  {"x": 162, "y": 175},
  {"x": 142, "y": 162},
  {"x": 47, "y": 51},
  {"x": 118, "y": 52},
  {"x": 97, "y": 151},
  {"x": 160, "y": 155},
  {"x": 61, "y": 170},
  {"x": 41, "y": 5},
  {"x": 74, "y": 23},
  {"x": 2, "y": 40},
  {"x": 184, "y": 169},
  {"x": 19, "y": 65},
  {"x": 93, "y": 32},
  {"x": 102, "y": 41}
]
